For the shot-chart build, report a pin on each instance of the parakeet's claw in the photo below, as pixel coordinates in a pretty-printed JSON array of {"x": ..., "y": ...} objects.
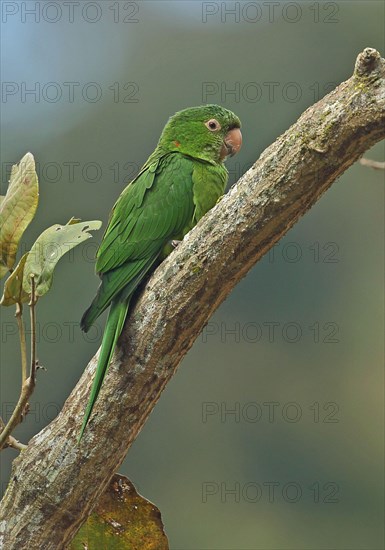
[
  {"x": 219, "y": 199},
  {"x": 175, "y": 243}
]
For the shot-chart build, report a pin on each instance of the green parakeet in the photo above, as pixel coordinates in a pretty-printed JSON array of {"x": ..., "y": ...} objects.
[{"x": 182, "y": 179}]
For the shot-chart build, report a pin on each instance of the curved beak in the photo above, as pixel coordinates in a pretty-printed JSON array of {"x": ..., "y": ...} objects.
[{"x": 232, "y": 143}]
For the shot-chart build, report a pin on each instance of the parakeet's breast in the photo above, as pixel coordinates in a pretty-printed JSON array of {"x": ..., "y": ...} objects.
[{"x": 209, "y": 183}]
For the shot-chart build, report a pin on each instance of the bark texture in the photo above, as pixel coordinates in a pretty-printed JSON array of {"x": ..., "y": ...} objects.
[{"x": 55, "y": 482}]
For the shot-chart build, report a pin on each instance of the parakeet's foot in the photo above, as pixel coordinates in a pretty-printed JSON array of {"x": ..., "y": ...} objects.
[{"x": 169, "y": 247}]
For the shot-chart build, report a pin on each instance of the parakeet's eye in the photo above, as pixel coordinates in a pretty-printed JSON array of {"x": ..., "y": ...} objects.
[{"x": 213, "y": 125}]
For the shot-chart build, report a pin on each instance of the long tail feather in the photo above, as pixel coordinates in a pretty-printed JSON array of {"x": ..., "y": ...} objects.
[{"x": 114, "y": 326}]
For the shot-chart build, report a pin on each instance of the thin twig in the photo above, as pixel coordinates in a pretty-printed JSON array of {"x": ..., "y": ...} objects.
[
  {"x": 377, "y": 165},
  {"x": 23, "y": 350},
  {"x": 26, "y": 392},
  {"x": 32, "y": 304},
  {"x": 15, "y": 444},
  {"x": 28, "y": 385}
]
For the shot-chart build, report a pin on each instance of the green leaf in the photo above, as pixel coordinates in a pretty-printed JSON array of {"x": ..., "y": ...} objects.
[
  {"x": 17, "y": 209},
  {"x": 122, "y": 520},
  {"x": 13, "y": 288},
  {"x": 52, "y": 244}
]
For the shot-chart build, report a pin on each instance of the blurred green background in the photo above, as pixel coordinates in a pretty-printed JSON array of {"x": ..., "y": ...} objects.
[{"x": 270, "y": 436}]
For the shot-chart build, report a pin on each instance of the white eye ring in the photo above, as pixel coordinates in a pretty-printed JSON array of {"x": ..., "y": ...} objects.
[{"x": 213, "y": 125}]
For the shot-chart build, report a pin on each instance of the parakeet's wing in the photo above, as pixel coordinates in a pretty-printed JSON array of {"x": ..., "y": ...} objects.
[{"x": 153, "y": 209}]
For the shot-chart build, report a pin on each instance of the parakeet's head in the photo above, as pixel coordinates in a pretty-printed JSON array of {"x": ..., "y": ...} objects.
[{"x": 208, "y": 132}]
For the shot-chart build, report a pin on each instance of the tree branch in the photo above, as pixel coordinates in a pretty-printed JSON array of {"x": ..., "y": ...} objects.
[{"x": 55, "y": 483}]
